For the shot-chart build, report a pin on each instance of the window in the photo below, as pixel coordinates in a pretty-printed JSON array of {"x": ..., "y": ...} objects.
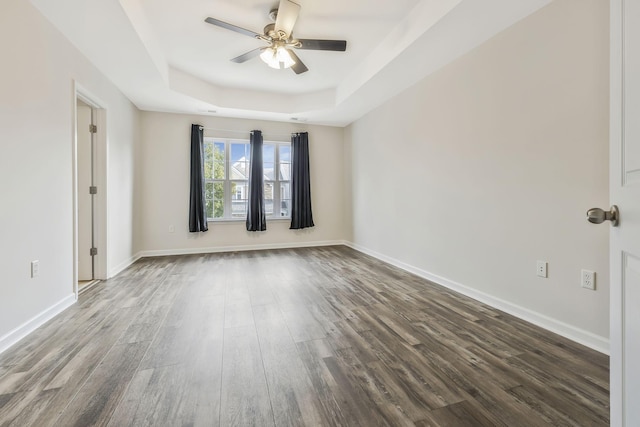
[{"x": 226, "y": 172}]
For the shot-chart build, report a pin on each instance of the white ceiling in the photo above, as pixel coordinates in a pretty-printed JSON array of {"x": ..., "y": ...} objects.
[{"x": 164, "y": 57}]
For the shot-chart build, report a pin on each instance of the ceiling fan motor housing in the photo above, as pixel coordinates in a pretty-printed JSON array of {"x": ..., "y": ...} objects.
[{"x": 270, "y": 31}]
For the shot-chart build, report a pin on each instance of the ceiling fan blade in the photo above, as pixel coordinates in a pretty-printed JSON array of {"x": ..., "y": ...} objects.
[
  {"x": 247, "y": 56},
  {"x": 288, "y": 12},
  {"x": 336, "y": 45},
  {"x": 299, "y": 66},
  {"x": 232, "y": 27}
]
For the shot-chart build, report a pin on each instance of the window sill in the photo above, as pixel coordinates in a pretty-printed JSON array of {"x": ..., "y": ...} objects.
[{"x": 242, "y": 220}]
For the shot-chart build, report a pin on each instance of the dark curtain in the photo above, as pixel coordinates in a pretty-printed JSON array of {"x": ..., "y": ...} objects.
[
  {"x": 301, "y": 216},
  {"x": 197, "y": 210},
  {"x": 256, "y": 217}
]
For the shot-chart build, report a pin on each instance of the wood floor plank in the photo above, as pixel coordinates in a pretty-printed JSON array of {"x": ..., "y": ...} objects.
[
  {"x": 460, "y": 414},
  {"x": 569, "y": 391},
  {"x": 245, "y": 396},
  {"x": 291, "y": 393},
  {"x": 545, "y": 402},
  {"x": 238, "y": 313},
  {"x": 335, "y": 394},
  {"x": 347, "y": 337},
  {"x": 396, "y": 391},
  {"x": 419, "y": 375},
  {"x": 291, "y": 397},
  {"x": 301, "y": 323},
  {"x": 38, "y": 403},
  {"x": 97, "y": 399},
  {"x": 67, "y": 366},
  {"x": 163, "y": 401},
  {"x": 373, "y": 404},
  {"x": 126, "y": 413}
]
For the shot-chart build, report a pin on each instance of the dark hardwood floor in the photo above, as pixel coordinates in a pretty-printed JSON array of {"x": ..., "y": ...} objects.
[{"x": 316, "y": 337}]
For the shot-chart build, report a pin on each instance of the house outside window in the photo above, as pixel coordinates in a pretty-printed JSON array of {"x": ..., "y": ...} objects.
[{"x": 226, "y": 169}]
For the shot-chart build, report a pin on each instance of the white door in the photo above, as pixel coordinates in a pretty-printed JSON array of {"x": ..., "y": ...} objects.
[{"x": 625, "y": 192}]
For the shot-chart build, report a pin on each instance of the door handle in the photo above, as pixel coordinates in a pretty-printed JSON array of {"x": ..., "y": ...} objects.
[{"x": 598, "y": 216}]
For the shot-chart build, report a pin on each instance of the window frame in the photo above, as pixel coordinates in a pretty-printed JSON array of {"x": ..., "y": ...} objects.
[{"x": 227, "y": 181}]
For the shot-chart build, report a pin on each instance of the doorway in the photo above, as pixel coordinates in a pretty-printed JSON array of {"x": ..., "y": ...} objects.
[
  {"x": 89, "y": 160},
  {"x": 86, "y": 191}
]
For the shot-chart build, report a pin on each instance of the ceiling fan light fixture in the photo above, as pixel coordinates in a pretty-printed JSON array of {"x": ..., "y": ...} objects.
[
  {"x": 268, "y": 56},
  {"x": 278, "y": 58},
  {"x": 284, "y": 57}
]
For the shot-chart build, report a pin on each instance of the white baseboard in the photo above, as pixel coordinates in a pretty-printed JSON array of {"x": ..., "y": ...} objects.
[
  {"x": 578, "y": 335},
  {"x": 240, "y": 248},
  {"x": 28, "y": 327},
  {"x": 123, "y": 265}
]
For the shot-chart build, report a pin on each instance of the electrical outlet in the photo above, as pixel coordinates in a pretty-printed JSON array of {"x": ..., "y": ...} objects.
[
  {"x": 35, "y": 268},
  {"x": 588, "y": 279},
  {"x": 541, "y": 268}
]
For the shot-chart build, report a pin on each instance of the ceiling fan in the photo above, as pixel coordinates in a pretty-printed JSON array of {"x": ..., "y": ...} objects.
[{"x": 279, "y": 36}]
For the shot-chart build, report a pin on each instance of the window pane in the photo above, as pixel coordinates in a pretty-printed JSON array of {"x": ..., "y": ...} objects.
[
  {"x": 239, "y": 162},
  {"x": 208, "y": 199},
  {"x": 209, "y": 208},
  {"x": 285, "y": 163},
  {"x": 268, "y": 161},
  {"x": 240, "y": 170},
  {"x": 219, "y": 161},
  {"x": 208, "y": 191},
  {"x": 285, "y": 199},
  {"x": 208, "y": 160},
  {"x": 239, "y": 194},
  {"x": 285, "y": 208},
  {"x": 268, "y": 171},
  {"x": 218, "y": 200},
  {"x": 240, "y": 152},
  {"x": 238, "y": 208},
  {"x": 285, "y": 190},
  {"x": 285, "y": 171},
  {"x": 285, "y": 153},
  {"x": 239, "y": 190},
  {"x": 268, "y": 198},
  {"x": 268, "y": 153}
]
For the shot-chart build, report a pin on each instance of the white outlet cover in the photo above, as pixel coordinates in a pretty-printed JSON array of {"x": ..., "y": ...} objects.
[
  {"x": 35, "y": 268},
  {"x": 588, "y": 279},
  {"x": 541, "y": 269}
]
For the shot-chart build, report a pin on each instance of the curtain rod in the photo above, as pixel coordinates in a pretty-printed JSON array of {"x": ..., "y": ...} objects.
[{"x": 246, "y": 132}]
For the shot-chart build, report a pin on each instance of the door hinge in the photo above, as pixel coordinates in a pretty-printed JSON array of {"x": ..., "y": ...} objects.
[
  {"x": 93, "y": 190},
  {"x": 93, "y": 251},
  {"x": 93, "y": 128}
]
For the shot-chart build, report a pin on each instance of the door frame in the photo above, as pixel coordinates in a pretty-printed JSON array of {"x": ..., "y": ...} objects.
[{"x": 100, "y": 180}]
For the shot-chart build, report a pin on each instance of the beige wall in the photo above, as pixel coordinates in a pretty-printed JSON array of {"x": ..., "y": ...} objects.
[
  {"x": 164, "y": 187},
  {"x": 37, "y": 103},
  {"x": 490, "y": 164}
]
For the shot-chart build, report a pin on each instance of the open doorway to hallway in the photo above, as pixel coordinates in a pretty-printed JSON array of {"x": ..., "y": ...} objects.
[
  {"x": 85, "y": 195},
  {"x": 89, "y": 191}
]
